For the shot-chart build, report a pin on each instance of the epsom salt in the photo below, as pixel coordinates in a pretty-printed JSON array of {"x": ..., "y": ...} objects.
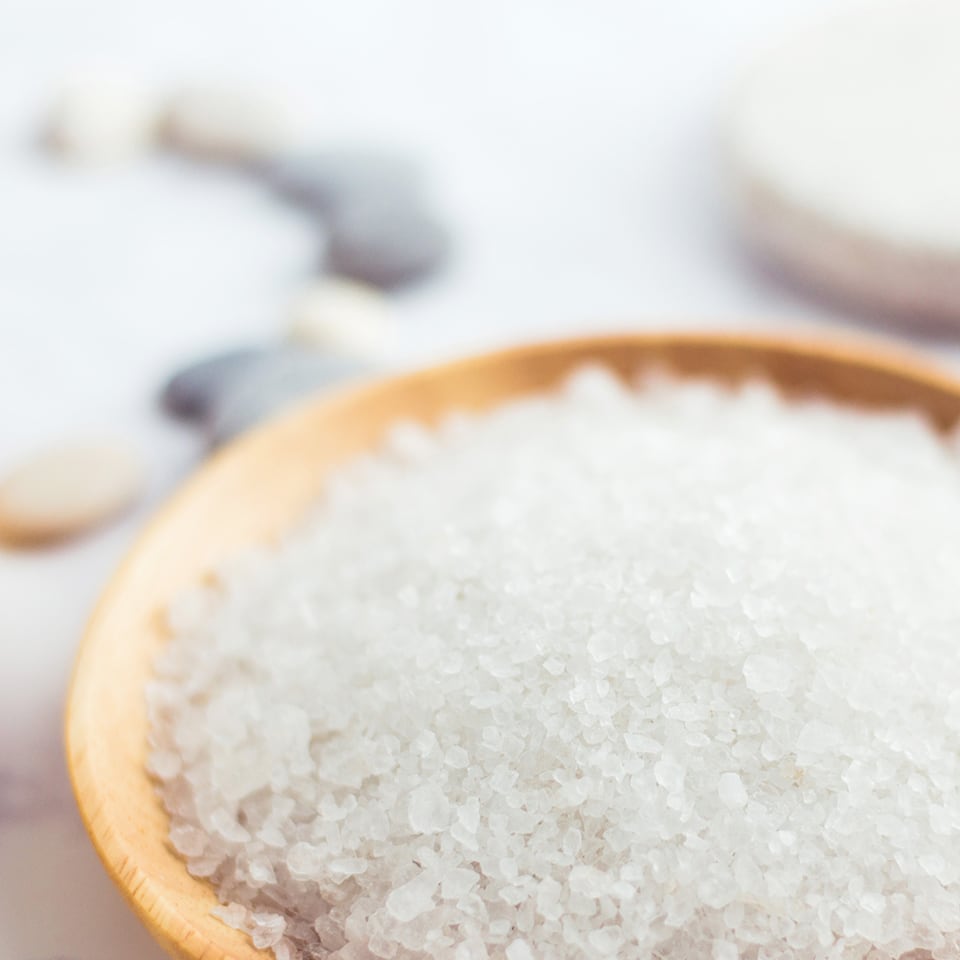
[{"x": 672, "y": 673}]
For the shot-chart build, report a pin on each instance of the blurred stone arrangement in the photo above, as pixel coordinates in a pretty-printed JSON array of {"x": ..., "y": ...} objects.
[
  {"x": 841, "y": 156},
  {"x": 376, "y": 234}
]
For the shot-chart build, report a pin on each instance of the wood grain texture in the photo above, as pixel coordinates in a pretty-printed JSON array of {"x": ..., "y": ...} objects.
[{"x": 255, "y": 489}]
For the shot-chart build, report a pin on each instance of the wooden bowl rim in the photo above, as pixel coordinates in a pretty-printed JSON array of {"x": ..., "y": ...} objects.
[{"x": 173, "y": 928}]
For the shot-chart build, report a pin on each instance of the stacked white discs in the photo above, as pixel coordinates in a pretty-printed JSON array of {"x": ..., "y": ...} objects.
[
  {"x": 603, "y": 674},
  {"x": 846, "y": 145}
]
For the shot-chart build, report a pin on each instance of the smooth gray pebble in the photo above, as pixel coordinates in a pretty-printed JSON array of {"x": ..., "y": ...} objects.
[
  {"x": 323, "y": 182},
  {"x": 384, "y": 244},
  {"x": 274, "y": 384},
  {"x": 191, "y": 393}
]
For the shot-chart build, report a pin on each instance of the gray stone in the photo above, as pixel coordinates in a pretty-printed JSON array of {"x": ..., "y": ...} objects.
[
  {"x": 192, "y": 392},
  {"x": 385, "y": 244},
  {"x": 324, "y": 182},
  {"x": 274, "y": 383}
]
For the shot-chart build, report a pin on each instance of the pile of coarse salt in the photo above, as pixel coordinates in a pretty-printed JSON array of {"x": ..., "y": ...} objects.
[{"x": 667, "y": 673}]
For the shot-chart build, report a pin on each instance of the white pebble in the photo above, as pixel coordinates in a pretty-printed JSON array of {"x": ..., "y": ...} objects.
[
  {"x": 67, "y": 490},
  {"x": 225, "y": 123},
  {"x": 344, "y": 316},
  {"x": 101, "y": 120}
]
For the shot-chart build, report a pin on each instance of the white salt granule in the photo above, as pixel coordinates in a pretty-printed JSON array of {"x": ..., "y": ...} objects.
[
  {"x": 731, "y": 790},
  {"x": 668, "y": 673}
]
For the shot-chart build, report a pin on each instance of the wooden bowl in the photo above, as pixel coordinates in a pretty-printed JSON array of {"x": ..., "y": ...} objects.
[{"x": 253, "y": 490}]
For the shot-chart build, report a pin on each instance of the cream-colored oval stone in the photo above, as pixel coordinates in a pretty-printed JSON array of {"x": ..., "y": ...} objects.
[
  {"x": 342, "y": 316},
  {"x": 66, "y": 490},
  {"x": 100, "y": 120},
  {"x": 224, "y": 123}
]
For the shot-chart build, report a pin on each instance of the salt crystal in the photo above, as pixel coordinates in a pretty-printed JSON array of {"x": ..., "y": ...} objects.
[
  {"x": 606, "y": 941},
  {"x": 227, "y": 826},
  {"x": 411, "y": 899},
  {"x": 188, "y": 840},
  {"x": 669, "y": 775},
  {"x": 267, "y": 929},
  {"x": 602, "y": 646},
  {"x": 455, "y": 883},
  {"x": 817, "y": 737},
  {"x": 621, "y": 890},
  {"x": 589, "y": 881},
  {"x": 724, "y": 950},
  {"x": 572, "y": 841},
  {"x": 304, "y": 860},
  {"x": 457, "y": 757},
  {"x": 164, "y": 764},
  {"x": 469, "y": 814},
  {"x": 641, "y": 744},
  {"x": 519, "y": 950},
  {"x": 874, "y": 903},
  {"x": 554, "y": 666},
  {"x": 471, "y": 949},
  {"x": 233, "y": 914},
  {"x": 766, "y": 674},
  {"x": 429, "y": 810},
  {"x": 408, "y": 595},
  {"x": 730, "y": 788}
]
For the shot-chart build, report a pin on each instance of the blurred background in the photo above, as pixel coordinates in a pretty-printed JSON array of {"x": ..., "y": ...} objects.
[{"x": 569, "y": 148}]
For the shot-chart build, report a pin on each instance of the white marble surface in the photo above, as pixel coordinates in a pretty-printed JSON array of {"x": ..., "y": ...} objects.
[{"x": 572, "y": 145}]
